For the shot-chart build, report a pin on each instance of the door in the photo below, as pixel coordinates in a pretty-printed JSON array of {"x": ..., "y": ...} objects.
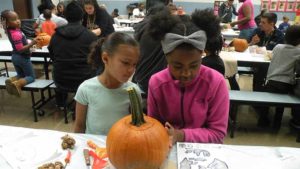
[{"x": 23, "y": 8}]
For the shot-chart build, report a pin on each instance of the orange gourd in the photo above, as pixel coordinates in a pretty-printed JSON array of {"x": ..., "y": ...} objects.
[
  {"x": 240, "y": 45},
  {"x": 43, "y": 39},
  {"x": 137, "y": 141}
]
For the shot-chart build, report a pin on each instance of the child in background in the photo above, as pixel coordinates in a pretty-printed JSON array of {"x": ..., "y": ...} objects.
[
  {"x": 48, "y": 26},
  {"x": 103, "y": 100},
  {"x": 281, "y": 76},
  {"x": 285, "y": 24},
  {"x": 20, "y": 54},
  {"x": 190, "y": 99},
  {"x": 212, "y": 58}
]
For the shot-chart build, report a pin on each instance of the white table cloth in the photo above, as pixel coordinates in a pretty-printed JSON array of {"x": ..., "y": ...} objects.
[{"x": 24, "y": 148}]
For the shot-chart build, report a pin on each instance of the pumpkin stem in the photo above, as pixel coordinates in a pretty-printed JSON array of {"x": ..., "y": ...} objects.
[{"x": 137, "y": 115}]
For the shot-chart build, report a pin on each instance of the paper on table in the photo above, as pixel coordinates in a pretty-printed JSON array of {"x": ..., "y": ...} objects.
[
  {"x": 211, "y": 156},
  {"x": 33, "y": 151}
]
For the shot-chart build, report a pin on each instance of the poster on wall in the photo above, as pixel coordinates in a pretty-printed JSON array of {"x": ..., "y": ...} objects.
[
  {"x": 273, "y": 6},
  {"x": 265, "y": 4},
  {"x": 290, "y": 5},
  {"x": 297, "y": 5},
  {"x": 281, "y": 5}
]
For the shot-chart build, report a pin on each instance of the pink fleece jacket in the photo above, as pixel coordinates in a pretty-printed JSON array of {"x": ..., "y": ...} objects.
[{"x": 201, "y": 108}]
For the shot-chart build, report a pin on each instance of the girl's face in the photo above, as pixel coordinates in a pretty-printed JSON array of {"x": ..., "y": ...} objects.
[
  {"x": 89, "y": 9},
  {"x": 121, "y": 65},
  {"x": 13, "y": 20},
  {"x": 184, "y": 64}
]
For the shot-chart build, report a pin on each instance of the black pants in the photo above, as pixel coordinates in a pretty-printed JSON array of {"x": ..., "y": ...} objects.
[
  {"x": 274, "y": 87},
  {"x": 259, "y": 77},
  {"x": 61, "y": 98}
]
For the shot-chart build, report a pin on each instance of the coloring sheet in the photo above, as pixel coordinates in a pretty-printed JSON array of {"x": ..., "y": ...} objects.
[{"x": 218, "y": 156}]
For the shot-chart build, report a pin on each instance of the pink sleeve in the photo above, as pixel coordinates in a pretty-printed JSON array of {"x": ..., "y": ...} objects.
[
  {"x": 217, "y": 119},
  {"x": 17, "y": 40},
  {"x": 152, "y": 110}
]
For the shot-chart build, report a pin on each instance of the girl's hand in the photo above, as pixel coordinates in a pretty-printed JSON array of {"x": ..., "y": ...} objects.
[{"x": 175, "y": 135}]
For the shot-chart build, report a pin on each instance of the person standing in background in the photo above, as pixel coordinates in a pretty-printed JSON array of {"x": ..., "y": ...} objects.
[
  {"x": 226, "y": 10},
  {"x": 245, "y": 22}
]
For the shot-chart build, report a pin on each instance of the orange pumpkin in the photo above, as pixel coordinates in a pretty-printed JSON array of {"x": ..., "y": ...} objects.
[
  {"x": 137, "y": 142},
  {"x": 240, "y": 45},
  {"x": 43, "y": 39}
]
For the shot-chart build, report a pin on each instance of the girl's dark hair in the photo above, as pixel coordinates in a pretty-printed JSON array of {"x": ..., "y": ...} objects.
[
  {"x": 292, "y": 35},
  {"x": 4, "y": 18},
  {"x": 163, "y": 22},
  {"x": 214, "y": 45},
  {"x": 92, "y": 2},
  {"x": 109, "y": 45}
]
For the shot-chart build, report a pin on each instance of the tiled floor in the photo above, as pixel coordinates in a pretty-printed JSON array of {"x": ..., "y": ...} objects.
[{"x": 17, "y": 112}]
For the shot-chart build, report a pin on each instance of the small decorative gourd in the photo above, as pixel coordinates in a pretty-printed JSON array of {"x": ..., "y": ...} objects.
[
  {"x": 137, "y": 141},
  {"x": 240, "y": 45},
  {"x": 43, "y": 39}
]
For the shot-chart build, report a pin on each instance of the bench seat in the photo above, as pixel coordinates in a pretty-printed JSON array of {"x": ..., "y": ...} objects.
[
  {"x": 254, "y": 98},
  {"x": 39, "y": 85}
]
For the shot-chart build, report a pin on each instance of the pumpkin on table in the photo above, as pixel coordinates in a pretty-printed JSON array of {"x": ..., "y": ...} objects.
[
  {"x": 43, "y": 39},
  {"x": 137, "y": 141},
  {"x": 240, "y": 45}
]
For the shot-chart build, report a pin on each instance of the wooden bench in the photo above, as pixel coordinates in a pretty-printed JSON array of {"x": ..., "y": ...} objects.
[
  {"x": 258, "y": 99},
  {"x": 39, "y": 85}
]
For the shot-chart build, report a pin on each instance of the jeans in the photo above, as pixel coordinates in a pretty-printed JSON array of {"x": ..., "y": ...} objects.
[
  {"x": 246, "y": 33},
  {"x": 23, "y": 67}
]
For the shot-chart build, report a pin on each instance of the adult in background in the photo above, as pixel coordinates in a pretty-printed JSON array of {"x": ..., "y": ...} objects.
[
  {"x": 61, "y": 9},
  {"x": 245, "y": 22},
  {"x": 68, "y": 48},
  {"x": 152, "y": 57},
  {"x": 258, "y": 17},
  {"x": 269, "y": 36},
  {"x": 97, "y": 19},
  {"x": 226, "y": 10},
  {"x": 59, "y": 21},
  {"x": 139, "y": 11}
]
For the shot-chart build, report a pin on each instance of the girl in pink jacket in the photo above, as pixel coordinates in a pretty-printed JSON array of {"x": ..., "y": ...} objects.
[{"x": 189, "y": 99}]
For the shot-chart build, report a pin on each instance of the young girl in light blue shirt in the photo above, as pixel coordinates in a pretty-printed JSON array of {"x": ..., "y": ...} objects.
[{"x": 101, "y": 101}]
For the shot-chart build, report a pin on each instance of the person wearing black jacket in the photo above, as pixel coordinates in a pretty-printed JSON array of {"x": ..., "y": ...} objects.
[
  {"x": 152, "y": 57},
  {"x": 97, "y": 19},
  {"x": 68, "y": 48}
]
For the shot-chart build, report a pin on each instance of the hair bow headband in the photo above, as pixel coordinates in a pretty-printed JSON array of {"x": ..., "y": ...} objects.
[{"x": 172, "y": 40}]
